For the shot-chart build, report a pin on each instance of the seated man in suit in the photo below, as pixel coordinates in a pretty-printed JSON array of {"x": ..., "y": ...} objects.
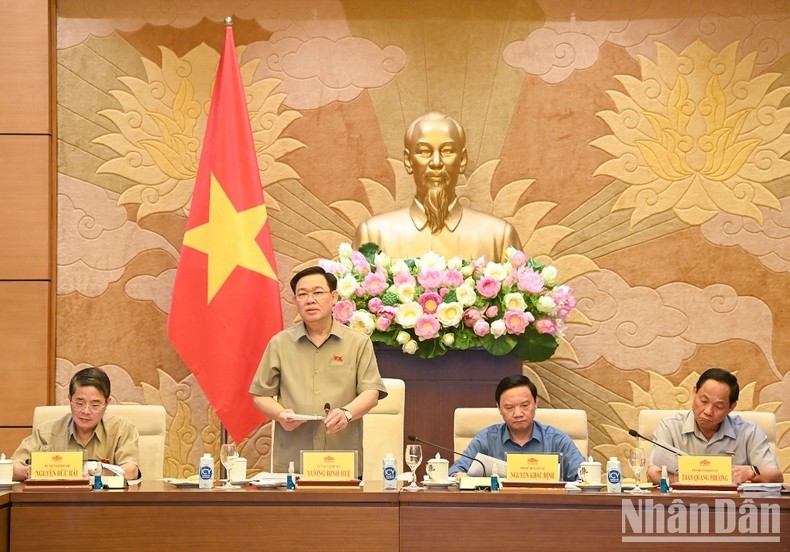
[
  {"x": 517, "y": 400},
  {"x": 85, "y": 429},
  {"x": 709, "y": 429}
]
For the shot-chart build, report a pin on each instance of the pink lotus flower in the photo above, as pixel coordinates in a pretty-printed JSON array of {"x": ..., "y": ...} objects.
[
  {"x": 452, "y": 278},
  {"x": 488, "y": 286},
  {"x": 518, "y": 259},
  {"x": 403, "y": 278},
  {"x": 430, "y": 301},
  {"x": 360, "y": 263},
  {"x": 374, "y": 305},
  {"x": 343, "y": 310},
  {"x": 374, "y": 283},
  {"x": 383, "y": 323},
  {"x": 530, "y": 281},
  {"x": 546, "y": 326},
  {"x": 492, "y": 311},
  {"x": 387, "y": 311},
  {"x": 430, "y": 279},
  {"x": 427, "y": 326},
  {"x": 481, "y": 328},
  {"x": 471, "y": 316},
  {"x": 517, "y": 321}
]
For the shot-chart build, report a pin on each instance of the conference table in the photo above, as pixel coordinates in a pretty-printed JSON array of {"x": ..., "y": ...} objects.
[{"x": 159, "y": 516}]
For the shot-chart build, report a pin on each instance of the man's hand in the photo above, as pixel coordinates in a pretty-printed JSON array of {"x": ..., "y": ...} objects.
[
  {"x": 288, "y": 424},
  {"x": 742, "y": 474},
  {"x": 335, "y": 421}
]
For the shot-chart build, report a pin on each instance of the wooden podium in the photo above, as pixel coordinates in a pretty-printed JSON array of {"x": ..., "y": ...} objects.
[{"x": 436, "y": 387}]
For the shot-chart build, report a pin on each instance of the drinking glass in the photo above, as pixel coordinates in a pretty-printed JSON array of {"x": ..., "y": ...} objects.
[
  {"x": 413, "y": 460},
  {"x": 636, "y": 461},
  {"x": 228, "y": 455}
]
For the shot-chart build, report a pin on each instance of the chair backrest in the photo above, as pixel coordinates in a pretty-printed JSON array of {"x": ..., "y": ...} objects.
[
  {"x": 150, "y": 421},
  {"x": 468, "y": 422},
  {"x": 648, "y": 421},
  {"x": 382, "y": 430}
]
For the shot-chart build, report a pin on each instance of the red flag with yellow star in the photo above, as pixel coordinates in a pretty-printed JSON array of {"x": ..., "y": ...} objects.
[{"x": 226, "y": 297}]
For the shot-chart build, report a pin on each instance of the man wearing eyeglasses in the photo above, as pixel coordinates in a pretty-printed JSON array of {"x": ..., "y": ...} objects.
[
  {"x": 86, "y": 428},
  {"x": 318, "y": 367}
]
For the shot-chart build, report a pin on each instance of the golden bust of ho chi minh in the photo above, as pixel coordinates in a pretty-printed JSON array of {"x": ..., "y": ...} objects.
[{"x": 435, "y": 153}]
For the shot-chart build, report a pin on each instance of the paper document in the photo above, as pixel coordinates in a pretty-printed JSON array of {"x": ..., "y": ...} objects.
[
  {"x": 476, "y": 470},
  {"x": 760, "y": 487},
  {"x": 302, "y": 417}
]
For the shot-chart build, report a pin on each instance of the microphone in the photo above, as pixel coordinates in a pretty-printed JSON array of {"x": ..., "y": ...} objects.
[
  {"x": 415, "y": 439},
  {"x": 326, "y": 408},
  {"x": 673, "y": 450}
]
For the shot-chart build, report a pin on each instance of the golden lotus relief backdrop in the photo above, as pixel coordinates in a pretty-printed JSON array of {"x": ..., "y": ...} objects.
[{"x": 642, "y": 148}]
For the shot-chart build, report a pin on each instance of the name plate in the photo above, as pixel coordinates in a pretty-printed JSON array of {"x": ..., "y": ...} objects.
[
  {"x": 56, "y": 465},
  {"x": 532, "y": 468},
  {"x": 705, "y": 470},
  {"x": 329, "y": 465}
]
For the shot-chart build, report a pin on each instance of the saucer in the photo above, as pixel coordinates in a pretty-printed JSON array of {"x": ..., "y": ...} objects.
[
  {"x": 438, "y": 484},
  {"x": 590, "y": 487}
]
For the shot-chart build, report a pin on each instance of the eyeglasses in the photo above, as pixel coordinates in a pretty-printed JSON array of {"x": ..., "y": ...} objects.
[
  {"x": 317, "y": 294},
  {"x": 93, "y": 407}
]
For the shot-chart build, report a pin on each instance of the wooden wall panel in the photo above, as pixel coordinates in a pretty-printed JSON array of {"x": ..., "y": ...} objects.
[
  {"x": 25, "y": 208},
  {"x": 25, "y": 67},
  {"x": 11, "y": 437},
  {"x": 24, "y": 342}
]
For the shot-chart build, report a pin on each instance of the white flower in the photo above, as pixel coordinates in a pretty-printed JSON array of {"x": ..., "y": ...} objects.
[
  {"x": 448, "y": 339},
  {"x": 455, "y": 263},
  {"x": 466, "y": 295},
  {"x": 514, "y": 301},
  {"x": 549, "y": 274},
  {"x": 431, "y": 260},
  {"x": 410, "y": 347},
  {"x": 496, "y": 270},
  {"x": 450, "y": 314},
  {"x": 362, "y": 321},
  {"x": 346, "y": 286},
  {"x": 403, "y": 338},
  {"x": 347, "y": 264},
  {"x": 467, "y": 270},
  {"x": 546, "y": 304},
  {"x": 407, "y": 314},
  {"x": 498, "y": 328},
  {"x": 406, "y": 293},
  {"x": 345, "y": 250},
  {"x": 382, "y": 259},
  {"x": 509, "y": 252},
  {"x": 399, "y": 266}
]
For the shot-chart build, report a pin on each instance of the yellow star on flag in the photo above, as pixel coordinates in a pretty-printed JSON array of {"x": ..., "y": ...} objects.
[{"x": 228, "y": 238}]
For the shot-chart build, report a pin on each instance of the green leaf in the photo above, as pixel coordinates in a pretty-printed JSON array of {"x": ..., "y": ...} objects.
[
  {"x": 498, "y": 346},
  {"x": 466, "y": 340},
  {"x": 370, "y": 250},
  {"x": 431, "y": 348},
  {"x": 534, "y": 346}
]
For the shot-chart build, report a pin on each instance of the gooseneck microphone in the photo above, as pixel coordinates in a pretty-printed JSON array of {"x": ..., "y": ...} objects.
[
  {"x": 673, "y": 450},
  {"x": 415, "y": 439}
]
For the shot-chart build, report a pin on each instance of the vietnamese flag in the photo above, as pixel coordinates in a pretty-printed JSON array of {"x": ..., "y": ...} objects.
[{"x": 226, "y": 297}]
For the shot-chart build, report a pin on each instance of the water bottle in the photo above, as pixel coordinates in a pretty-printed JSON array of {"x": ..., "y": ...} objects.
[
  {"x": 390, "y": 473},
  {"x": 614, "y": 476},
  {"x": 664, "y": 481},
  {"x": 290, "y": 480},
  {"x": 206, "y": 472},
  {"x": 97, "y": 482},
  {"x": 495, "y": 480}
]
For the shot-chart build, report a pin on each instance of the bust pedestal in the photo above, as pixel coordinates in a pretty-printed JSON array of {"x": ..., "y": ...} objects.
[{"x": 436, "y": 387}]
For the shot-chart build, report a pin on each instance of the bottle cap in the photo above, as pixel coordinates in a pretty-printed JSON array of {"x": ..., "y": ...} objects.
[
  {"x": 206, "y": 455},
  {"x": 389, "y": 455},
  {"x": 613, "y": 459}
]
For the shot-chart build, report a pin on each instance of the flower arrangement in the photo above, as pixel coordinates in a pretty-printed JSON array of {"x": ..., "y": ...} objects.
[{"x": 428, "y": 305}]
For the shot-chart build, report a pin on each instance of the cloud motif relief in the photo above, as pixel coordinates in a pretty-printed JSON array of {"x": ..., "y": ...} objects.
[
  {"x": 553, "y": 53},
  {"x": 95, "y": 239},
  {"x": 769, "y": 242},
  {"x": 696, "y": 135},
  {"x": 318, "y": 71},
  {"x": 639, "y": 328}
]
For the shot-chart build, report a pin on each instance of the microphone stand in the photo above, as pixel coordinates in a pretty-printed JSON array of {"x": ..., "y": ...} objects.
[
  {"x": 673, "y": 450},
  {"x": 415, "y": 439}
]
